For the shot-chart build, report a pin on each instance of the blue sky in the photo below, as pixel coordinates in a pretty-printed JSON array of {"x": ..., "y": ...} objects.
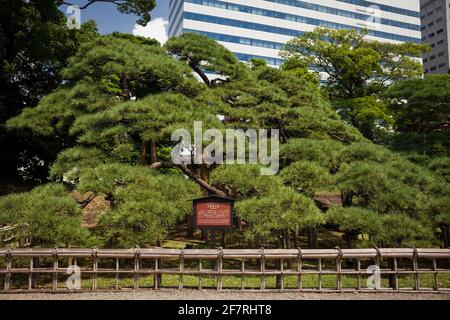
[{"x": 109, "y": 19}]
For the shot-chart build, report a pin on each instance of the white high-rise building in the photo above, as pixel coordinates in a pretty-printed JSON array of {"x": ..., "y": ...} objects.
[{"x": 259, "y": 28}]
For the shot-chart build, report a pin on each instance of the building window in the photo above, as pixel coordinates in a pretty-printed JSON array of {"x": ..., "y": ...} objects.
[
  {"x": 431, "y": 35},
  {"x": 433, "y": 68},
  {"x": 439, "y": 8},
  {"x": 439, "y": 19},
  {"x": 441, "y": 65},
  {"x": 433, "y": 57},
  {"x": 425, "y": 60},
  {"x": 430, "y": 13},
  {"x": 440, "y": 54},
  {"x": 433, "y": 45},
  {"x": 440, "y": 31},
  {"x": 440, "y": 42},
  {"x": 430, "y": 24}
]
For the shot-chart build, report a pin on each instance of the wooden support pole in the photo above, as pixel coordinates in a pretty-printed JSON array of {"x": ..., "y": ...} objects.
[
  {"x": 242, "y": 274},
  {"x": 435, "y": 275},
  {"x": 339, "y": 269},
  {"x": 358, "y": 268},
  {"x": 94, "y": 269},
  {"x": 181, "y": 270},
  {"x": 299, "y": 269},
  {"x": 137, "y": 255},
  {"x": 157, "y": 278},
  {"x": 55, "y": 269},
  {"x": 30, "y": 275},
  {"x": 8, "y": 270},
  {"x": 416, "y": 270},
  {"x": 319, "y": 276},
  {"x": 396, "y": 287},
  {"x": 282, "y": 274},
  {"x": 219, "y": 268},
  {"x": 117, "y": 274},
  {"x": 262, "y": 268},
  {"x": 200, "y": 268}
]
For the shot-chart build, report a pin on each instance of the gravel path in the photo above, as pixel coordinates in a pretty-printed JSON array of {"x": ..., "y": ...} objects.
[{"x": 213, "y": 295}]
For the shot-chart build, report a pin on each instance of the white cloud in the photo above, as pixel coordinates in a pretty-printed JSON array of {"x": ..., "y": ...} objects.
[{"x": 156, "y": 29}]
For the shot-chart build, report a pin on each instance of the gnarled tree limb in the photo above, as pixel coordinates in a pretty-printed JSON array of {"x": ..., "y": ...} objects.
[{"x": 202, "y": 183}]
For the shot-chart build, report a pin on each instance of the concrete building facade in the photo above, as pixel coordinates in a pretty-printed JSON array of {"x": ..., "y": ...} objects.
[
  {"x": 435, "y": 27},
  {"x": 260, "y": 28}
]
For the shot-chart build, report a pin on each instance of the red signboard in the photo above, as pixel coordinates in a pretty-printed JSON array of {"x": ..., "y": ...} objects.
[{"x": 213, "y": 214}]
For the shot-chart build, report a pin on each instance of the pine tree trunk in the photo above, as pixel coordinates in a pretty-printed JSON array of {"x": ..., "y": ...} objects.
[
  {"x": 143, "y": 155},
  {"x": 296, "y": 244},
  {"x": 446, "y": 236},
  {"x": 189, "y": 226},
  {"x": 153, "y": 155},
  {"x": 288, "y": 239},
  {"x": 312, "y": 238},
  {"x": 204, "y": 173},
  {"x": 224, "y": 239},
  {"x": 347, "y": 198}
]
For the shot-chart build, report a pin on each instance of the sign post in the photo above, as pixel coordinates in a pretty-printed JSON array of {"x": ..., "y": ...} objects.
[{"x": 214, "y": 213}]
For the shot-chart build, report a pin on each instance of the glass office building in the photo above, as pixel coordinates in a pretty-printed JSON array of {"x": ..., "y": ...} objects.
[{"x": 259, "y": 28}]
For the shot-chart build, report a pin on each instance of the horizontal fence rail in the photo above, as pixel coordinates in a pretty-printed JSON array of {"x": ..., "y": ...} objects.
[{"x": 334, "y": 270}]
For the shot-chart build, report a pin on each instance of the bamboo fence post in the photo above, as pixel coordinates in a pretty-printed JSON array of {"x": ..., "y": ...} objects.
[
  {"x": 299, "y": 269},
  {"x": 378, "y": 261},
  {"x": 180, "y": 282},
  {"x": 137, "y": 256},
  {"x": 242, "y": 274},
  {"x": 319, "y": 274},
  {"x": 219, "y": 267},
  {"x": 30, "y": 275},
  {"x": 94, "y": 254},
  {"x": 200, "y": 267},
  {"x": 339, "y": 269},
  {"x": 435, "y": 275},
  {"x": 156, "y": 275},
  {"x": 8, "y": 269},
  {"x": 116, "y": 286},
  {"x": 358, "y": 268},
  {"x": 262, "y": 269},
  {"x": 396, "y": 273},
  {"x": 416, "y": 269},
  {"x": 55, "y": 269}
]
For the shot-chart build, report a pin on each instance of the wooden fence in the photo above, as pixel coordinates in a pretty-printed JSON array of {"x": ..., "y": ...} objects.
[{"x": 333, "y": 270}]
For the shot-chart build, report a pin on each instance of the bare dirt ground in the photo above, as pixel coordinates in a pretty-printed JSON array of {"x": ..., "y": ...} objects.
[{"x": 213, "y": 295}]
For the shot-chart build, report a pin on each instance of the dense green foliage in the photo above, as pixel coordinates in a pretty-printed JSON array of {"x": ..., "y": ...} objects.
[{"x": 122, "y": 97}]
